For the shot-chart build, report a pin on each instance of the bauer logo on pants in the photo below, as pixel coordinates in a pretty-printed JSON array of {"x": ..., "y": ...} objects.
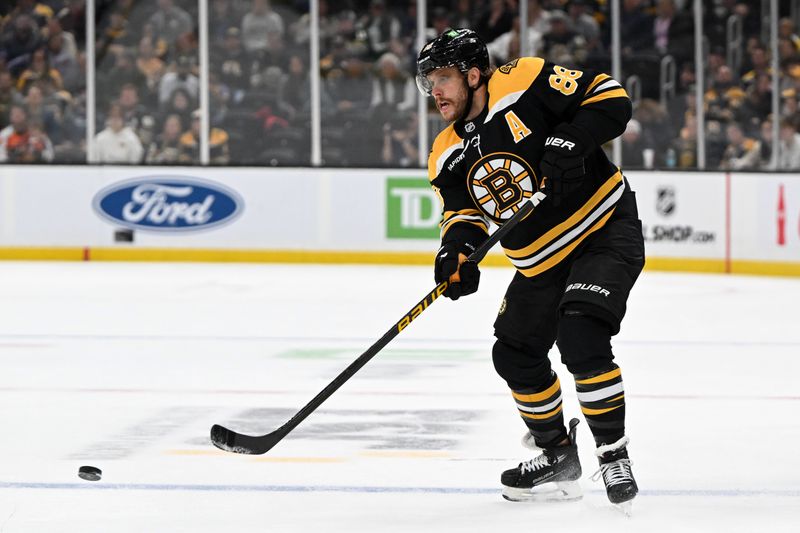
[{"x": 168, "y": 204}]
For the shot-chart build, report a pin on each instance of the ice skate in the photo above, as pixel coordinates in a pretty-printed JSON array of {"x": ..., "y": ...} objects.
[
  {"x": 615, "y": 467},
  {"x": 552, "y": 476}
]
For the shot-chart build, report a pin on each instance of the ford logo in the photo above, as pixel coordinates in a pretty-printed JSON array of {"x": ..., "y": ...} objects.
[{"x": 168, "y": 203}]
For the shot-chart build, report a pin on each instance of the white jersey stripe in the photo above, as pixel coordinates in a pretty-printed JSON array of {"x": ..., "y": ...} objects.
[
  {"x": 503, "y": 103},
  {"x": 447, "y": 153},
  {"x": 574, "y": 232},
  {"x": 606, "y": 85}
]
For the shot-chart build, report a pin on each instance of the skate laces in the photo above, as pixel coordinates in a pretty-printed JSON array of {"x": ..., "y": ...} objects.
[
  {"x": 534, "y": 464},
  {"x": 614, "y": 473}
]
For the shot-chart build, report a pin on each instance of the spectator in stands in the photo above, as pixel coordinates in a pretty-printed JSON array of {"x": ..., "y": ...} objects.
[
  {"x": 381, "y": 27},
  {"x": 233, "y": 64},
  {"x": 756, "y": 105},
  {"x": 259, "y": 22},
  {"x": 400, "y": 144},
  {"x": 8, "y": 96},
  {"x": 673, "y": 31},
  {"x": 561, "y": 45},
  {"x": 63, "y": 54},
  {"x": 181, "y": 103},
  {"x": 758, "y": 65},
  {"x": 789, "y": 154},
  {"x": 685, "y": 146},
  {"x": 152, "y": 68},
  {"x": 298, "y": 99},
  {"x": 353, "y": 91},
  {"x": 585, "y": 25},
  {"x": 166, "y": 148},
  {"x": 742, "y": 153},
  {"x": 170, "y": 21},
  {"x": 117, "y": 143},
  {"x": 223, "y": 15},
  {"x": 786, "y": 30},
  {"x": 463, "y": 14},
  {"x": 495, "y": 21},
  {"x": 393, "y": 90},
  {"x": 656, "y": 127},
  {"x": 40, "y": 12},
  {"x": 180, "y": 78},
  {"x": 219, "y": 152},
  {"x": 132, "y": 110},
  {"x": 636, "y": 28},
  {"x": 41, "y": 111},
  {"x": 20, "y": 42},
  {"x": 633, "y": 146},
  {"x": 115, "y": 38},
  {"x": 723, "y": 96},
  {"x": 124, "y": 72},
  {"x": 23, "y": 142},
  {"x": 40, "y": 72}
]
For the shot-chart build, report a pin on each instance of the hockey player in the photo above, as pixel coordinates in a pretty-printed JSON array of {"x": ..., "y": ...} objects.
[{"x": 533, "y": 131}]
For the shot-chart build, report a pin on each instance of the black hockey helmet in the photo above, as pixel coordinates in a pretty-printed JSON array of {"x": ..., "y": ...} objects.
[{"x": 460, "y": 48}]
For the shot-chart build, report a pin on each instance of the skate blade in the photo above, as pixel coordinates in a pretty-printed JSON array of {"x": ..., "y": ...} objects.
[
  {"x": 563, "y": 491},
  {"x": 625, "y": 508}
]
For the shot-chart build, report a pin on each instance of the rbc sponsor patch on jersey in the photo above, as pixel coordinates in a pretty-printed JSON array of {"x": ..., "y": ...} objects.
[{"x": 168, "y": 203}]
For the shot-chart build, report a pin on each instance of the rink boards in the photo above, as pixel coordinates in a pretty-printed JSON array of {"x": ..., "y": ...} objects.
[{"x": 696, "y": 221}]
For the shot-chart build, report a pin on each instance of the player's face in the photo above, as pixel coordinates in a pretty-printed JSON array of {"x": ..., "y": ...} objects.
[{"x": 449, "y": 90}]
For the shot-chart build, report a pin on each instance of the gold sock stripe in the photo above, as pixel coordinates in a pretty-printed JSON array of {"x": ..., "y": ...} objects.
[
  {"x": 600, "y": 378},
  {"x": 550, "y": 392},
  {"x": 592, "y": 412}
]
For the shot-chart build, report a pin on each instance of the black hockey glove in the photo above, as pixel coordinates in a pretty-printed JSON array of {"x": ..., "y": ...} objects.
[
  {"x": 562, "y": 163},
  {"x": 451, "y": 263}
]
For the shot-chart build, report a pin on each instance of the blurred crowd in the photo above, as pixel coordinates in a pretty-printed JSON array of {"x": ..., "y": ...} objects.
[{"x": 148, "y": 87}]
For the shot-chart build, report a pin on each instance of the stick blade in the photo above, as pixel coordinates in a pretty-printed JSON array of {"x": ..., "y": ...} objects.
[{"x": 230, "y": 441}]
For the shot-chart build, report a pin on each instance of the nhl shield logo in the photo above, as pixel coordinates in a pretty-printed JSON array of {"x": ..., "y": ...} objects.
[{"x": 665, "y": 201}]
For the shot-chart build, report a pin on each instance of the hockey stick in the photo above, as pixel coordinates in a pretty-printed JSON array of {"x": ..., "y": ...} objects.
[{"x": 231, "y": 441}]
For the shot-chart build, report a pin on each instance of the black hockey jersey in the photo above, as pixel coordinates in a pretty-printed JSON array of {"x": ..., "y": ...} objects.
[{"x": 485, "y": 168}]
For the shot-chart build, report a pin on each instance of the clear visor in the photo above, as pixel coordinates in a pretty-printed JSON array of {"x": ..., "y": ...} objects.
[{"x": 424, "y": 84}]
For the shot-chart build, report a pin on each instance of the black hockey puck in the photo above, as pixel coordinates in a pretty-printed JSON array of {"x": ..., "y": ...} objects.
[{"x": 90, "y": 473}]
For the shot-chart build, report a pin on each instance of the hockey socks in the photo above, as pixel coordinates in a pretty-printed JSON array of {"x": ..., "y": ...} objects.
[
  {"x": 541, "y": 410},
  {"x": 602, "y": 400}
]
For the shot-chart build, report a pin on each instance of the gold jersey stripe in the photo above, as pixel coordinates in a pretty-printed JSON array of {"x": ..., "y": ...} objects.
[
  {"x": 539, "y": 396},
  {"x": 447, "y": 139},
  {"x": 579, "y": 215},
  {"x": 596, "y": 81},
  {"x": 616, "y": 93},
  {"x": 620, "y": 397},
  {"x": 611, "y": 374},
  {"x": 590, "y": 412},
  {"x": 518, "y": 79},
  {"x": 564, "y": 252},
  {"x": 543, "y": 415}
]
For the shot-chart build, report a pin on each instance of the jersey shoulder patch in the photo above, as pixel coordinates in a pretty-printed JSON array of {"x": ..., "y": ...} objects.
[
  {"x": 513, "y": 77},
  {"x": 510, "y": 81},
  {"x": 445, "y": 144}
]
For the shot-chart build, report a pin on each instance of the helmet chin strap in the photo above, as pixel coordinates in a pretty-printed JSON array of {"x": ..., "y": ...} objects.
[{"x": 470, "y": 94}]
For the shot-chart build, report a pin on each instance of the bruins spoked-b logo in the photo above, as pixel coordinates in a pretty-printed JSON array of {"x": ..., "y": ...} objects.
[{"x": 499, "y": 183}]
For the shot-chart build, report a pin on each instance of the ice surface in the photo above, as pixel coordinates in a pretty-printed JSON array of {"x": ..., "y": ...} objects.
[{"x": 127, "y": 366}]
